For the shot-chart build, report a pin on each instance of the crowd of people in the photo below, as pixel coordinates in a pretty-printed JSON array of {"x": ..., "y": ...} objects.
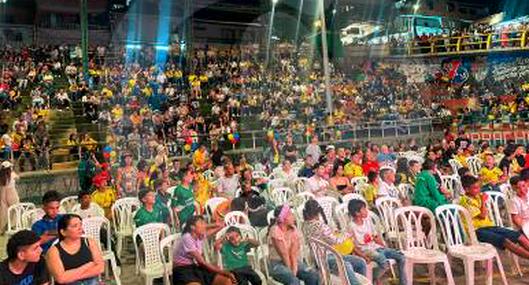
[{"x": 177, "y": 193}]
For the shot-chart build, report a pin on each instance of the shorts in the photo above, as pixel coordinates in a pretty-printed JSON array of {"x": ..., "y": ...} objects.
[
  {"x": 192, "y": 273},
  {"x": 497, "y": 236}
]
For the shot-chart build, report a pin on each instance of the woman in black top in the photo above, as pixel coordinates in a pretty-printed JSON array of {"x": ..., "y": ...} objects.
[{"x": 75, "y": 260}]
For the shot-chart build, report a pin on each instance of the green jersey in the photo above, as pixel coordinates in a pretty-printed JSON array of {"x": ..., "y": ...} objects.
[
  {"x": 159, "y": 214},
  {"x": 234, "y": 257},
  {"x": 184, "y": 200}
]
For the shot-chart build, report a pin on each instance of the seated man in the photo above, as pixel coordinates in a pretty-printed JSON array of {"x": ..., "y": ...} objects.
[
  {"x": 150, "y": 211},
  {"x": 24, "y": 264},
  {"x": 46, "y": 228}
]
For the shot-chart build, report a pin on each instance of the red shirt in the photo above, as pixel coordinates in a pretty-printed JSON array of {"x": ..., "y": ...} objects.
[{"x": 370, "y": 166}]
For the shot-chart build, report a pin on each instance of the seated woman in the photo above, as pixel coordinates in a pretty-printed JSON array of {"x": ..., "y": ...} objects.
[
  {"x": 339, "y": 181},
  {"x": 285, "y": 264},
  {"x": 316, "y": 228},
  {"x": 74, "y": 260},
  {"x": 189, "y": 265}
]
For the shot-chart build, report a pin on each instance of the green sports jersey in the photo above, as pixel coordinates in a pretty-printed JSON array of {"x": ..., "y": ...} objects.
[
  {"x": 183, "y": 199},
  {"x": 234, "y": 257},
  {"x": 159, "y": 214}
]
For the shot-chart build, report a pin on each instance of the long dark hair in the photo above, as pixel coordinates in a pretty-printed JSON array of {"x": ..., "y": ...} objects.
[
  {"x": 64, "y": 222},
  {"x": 312, "y": 209},
  {"x": 192, "y": 222},
  {"x": 5, "y": 175}
]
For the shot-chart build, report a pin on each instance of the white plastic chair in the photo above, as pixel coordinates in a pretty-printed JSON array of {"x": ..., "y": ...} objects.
[
  {"x": 456, "y": 165},
  {"x": 350, "y": 196},
  {"x": 276, "y": 183},
  {"x": 299, "y": 184},
  {"x": 67, "y": 203},
  {"x": 386, "y": 208},
  {"x": 247, "y": 231},
  {"x": 151, "y": 265},
  {"x": 328, "y": 204},
  {"x": 259, "y": 174},
  {"x": 281, "y": 195},
  {"x": 452, "y": 184},
  {"x": 211, "y": 205},
  {"x": 123, "y": 219},
  {"x": 300, "y": 199},
  {"x": 406, "y": 191},
  {"x": 100, "y": 212},
  {"x": 167, "y": 245},
  {"x": 358, "y": 183},
  {"x": 474, "y": 164},
  {"x": 416, "y": 246},
  {"x": 494, "y": 202},
  {"x": 15, "y": 222},
  {"x": 321, "y": 252},
  {"x": 236, "y": 218},
  {"x": 31, "y": 216},
  {"x": 92, "y": 228},
  {"x": 465, "y": 245}
]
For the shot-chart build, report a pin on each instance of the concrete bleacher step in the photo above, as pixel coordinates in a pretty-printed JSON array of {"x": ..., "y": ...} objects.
[{"x": 65, "y": 165}]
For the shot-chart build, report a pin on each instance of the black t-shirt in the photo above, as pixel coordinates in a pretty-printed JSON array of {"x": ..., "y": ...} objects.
[
  {"x": 505, "y": 163},
  {"x": 34, "y": 274},
  {"x": 216, "y": 157}
]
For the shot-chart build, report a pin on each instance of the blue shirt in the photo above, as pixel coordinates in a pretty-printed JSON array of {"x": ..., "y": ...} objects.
[
  {"x": 383, "y": 157},
  {"x": 43, "y": 225}
]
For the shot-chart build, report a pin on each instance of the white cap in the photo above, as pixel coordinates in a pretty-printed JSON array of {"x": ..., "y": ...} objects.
[{"x": 6, "y": 164}]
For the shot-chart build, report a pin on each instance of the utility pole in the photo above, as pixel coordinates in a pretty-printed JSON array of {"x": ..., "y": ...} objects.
[
  {"x": 84, "y": 36},
  {"x": 325, "y": 51}
]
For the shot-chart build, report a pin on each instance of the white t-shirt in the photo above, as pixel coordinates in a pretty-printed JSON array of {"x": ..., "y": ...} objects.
[
  {"x": 520, "y": 207},
  {"x": 315, "y": 185},
  {"x": 364, "y": 235},
  {"x": 93, "y": 211},
  {"x": 228, "y": 185},
  {"x": 386, "y": 189}
]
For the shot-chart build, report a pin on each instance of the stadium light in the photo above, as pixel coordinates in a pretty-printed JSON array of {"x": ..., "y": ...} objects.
[
  {"x": 416, "y": 7},
  {"x": 275, "y": 1},
  {"x": 3, "y": 1}
]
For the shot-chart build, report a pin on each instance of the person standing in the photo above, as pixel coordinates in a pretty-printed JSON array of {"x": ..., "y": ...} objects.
[{"x": 8, "y": 192}]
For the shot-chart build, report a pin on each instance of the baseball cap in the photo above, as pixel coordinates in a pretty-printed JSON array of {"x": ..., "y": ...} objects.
[{"x": 18, "y": 240}]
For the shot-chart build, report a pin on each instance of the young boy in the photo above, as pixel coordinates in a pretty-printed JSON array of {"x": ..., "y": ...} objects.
[
  {"x": 490, "y": 174},
  {"x": 183, "y": 201},
  {"x": 476, "y": 203},
  {"x": 86, "y": 208},
  {"x": 150, "y": 211},
  {"x": 371, "y": 245},
  {"x": 520, "y": 203},
  {"x": 371, "y": 190},
  {"x": 46, "y": 228},
  {"x": 104, "y": 195},
  {"x": 234, "y": 251},
  {"x": 24, "y": 264}
]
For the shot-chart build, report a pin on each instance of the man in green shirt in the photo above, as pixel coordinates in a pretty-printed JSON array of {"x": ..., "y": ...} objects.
[
  {"x": 150, "y": 211},
  {"x": 183, "y": 201},
  {"x": 234, "y": 252}
]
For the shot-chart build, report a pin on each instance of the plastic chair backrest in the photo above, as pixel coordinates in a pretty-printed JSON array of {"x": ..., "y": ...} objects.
[
  {"x": 122, "y": 213},
  {"x": 451, "y": 183},
  {"x": 67, "y": 203},
  {"x": 456, "y": 225},
  {"x": 281, "y": 195},
  {"x": 406, "y": 190},
  {"x": 259, "y": 174},
  {"x": 300, "y": 199},
  {"x": 276, "y": 183},
  {"x": 455, "y": 165},
  {"x": 92, "y": 228},
  {"x": 342, "y": 215},
  {"x": 411, "y": 220},
  {"x": 386, "y": 208},
  {"x": 15, "y": 212},
  {"x": 474, "y": 164},
  {"x": 150, "y": 235},
  {"x": 350, "y": 196},
  {"x": 321, "y": 252},
  {"x": 299, "y": 184},
  {"x": 236, "y": 218},
  {"x": 77, "y": 208},
  {"x": 167, "y": 245},
  {"x": 31, "y": 216},
  {"x": 494, "y": 208},
  {"x": 328, "y": 204}
]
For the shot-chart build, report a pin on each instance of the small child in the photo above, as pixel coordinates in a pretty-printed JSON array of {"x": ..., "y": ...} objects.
[
  {"x": 520, "y": 203},
  {"x": 104, "y": 195},
  {"x": 234, "y": 251},
  {"x": 476, "y": 203},
  {"x": 490, "y": 174},
  {"x": 371, "y": 245},
  {"x": 371, "y": 190}
]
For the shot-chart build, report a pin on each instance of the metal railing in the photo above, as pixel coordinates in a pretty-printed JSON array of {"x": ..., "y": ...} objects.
[{"x": 511, "y": 40}]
